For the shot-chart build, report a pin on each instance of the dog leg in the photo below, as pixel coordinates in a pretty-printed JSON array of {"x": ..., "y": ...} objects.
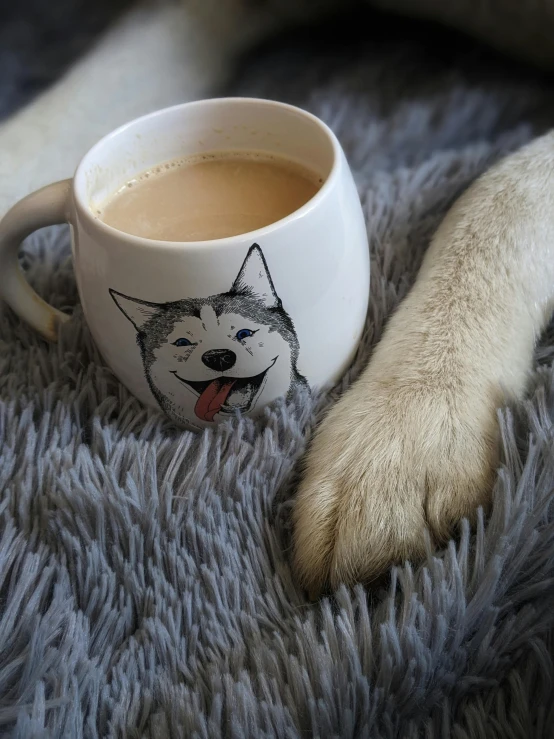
[
  {"x": 157, "y": 55},
  {"x": 414, "y": 443}
]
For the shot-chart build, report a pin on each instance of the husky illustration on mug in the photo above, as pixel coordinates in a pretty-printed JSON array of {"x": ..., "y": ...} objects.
[{"x": 208, "y": 356}]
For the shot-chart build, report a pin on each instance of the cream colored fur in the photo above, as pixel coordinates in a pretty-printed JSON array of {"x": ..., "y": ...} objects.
[
  {"x": 414, "y": 442},
  {"x": 158, "y": 54}
]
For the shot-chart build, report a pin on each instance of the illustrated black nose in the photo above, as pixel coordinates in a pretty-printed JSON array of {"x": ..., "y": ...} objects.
[{"x": 219, "y": 359}]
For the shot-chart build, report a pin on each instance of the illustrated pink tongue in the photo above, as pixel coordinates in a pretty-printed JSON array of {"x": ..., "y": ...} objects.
[{"x": 212, "y": 398}]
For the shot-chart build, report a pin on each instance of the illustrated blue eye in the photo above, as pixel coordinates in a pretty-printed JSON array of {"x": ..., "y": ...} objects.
[
  {"x": 244, "y": 333},
  {"x": 182, "y": 342}
]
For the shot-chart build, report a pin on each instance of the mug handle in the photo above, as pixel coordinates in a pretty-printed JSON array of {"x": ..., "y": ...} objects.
[{"x": 45, "y": 207}]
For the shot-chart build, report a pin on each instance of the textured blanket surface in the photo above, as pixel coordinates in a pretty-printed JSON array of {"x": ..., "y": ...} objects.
[{"x": 145, "y": 586}]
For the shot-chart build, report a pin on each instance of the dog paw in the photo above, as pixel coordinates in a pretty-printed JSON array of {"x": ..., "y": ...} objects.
[{"x": 394, "y": 456}]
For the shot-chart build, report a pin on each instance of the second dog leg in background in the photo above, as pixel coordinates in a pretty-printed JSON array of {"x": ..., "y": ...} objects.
[{"x": 155, "y": 56}]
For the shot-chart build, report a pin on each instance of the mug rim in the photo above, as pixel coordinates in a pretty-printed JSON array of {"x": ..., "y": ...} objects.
[{"x": 85, "y": 211}]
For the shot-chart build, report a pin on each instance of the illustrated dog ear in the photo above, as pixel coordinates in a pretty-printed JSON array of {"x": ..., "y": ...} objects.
[
  {"x": 254, "y": 279},
  {"x": 137, "y": 311}
]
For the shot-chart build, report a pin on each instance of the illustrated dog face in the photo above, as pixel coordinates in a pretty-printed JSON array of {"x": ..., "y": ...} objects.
[{"x": 218, "y": 355}]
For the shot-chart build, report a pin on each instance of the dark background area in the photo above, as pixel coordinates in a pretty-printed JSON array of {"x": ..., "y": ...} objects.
[{"x": 40, "y": 38}]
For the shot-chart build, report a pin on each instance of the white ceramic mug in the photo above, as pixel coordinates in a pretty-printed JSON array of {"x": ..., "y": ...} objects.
[{"x": 205, "y": 329}]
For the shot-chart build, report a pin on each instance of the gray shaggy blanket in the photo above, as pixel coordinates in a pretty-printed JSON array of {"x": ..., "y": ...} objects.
[{"x": 145, "y": 585}]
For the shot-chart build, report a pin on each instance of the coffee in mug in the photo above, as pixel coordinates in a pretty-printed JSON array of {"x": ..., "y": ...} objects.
[
  {"x": 210, "y": 196},
  {"x": 209, "y": 328}
]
